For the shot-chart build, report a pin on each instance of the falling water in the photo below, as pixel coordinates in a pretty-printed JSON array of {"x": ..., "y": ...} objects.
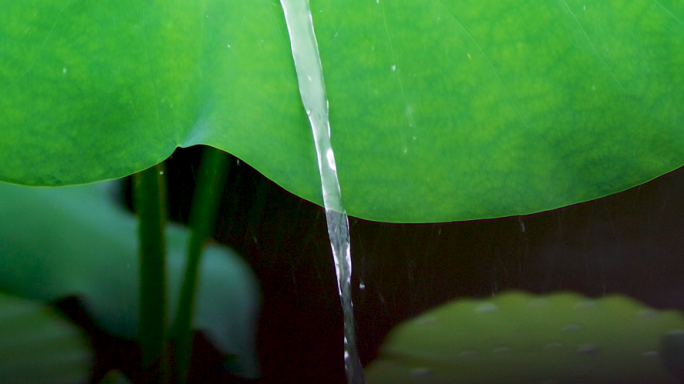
[{"x": 312, "y": 90}]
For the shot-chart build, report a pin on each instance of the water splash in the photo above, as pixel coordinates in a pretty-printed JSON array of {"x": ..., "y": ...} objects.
[{"x": 312, "y": 90}]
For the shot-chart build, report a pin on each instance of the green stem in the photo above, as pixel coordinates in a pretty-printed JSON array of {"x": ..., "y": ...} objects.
[
  {"x": 150, "y": 203},
  {"x": 212, "y": 177}
]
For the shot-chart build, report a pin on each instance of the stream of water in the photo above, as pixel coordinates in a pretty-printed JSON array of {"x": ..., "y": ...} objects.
[{"x": 312, "y": 90}]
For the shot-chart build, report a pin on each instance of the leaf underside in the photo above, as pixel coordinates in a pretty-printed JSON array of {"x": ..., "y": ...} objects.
[{"x": 439, "y": 110}]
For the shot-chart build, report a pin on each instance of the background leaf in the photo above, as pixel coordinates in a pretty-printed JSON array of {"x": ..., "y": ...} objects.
[
  {"x": 440, "y": 110},
  {"x": 39, "y": 345},
  {"x": 59, "y": 242},
  {"x": 520, "y": 338}
]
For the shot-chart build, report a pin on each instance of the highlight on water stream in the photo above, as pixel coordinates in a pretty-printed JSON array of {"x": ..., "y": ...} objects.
[{"x": 312, "y": 90}]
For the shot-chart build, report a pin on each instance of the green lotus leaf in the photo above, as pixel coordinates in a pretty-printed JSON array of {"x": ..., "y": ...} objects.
[
  {"x": 521, "y": 338},
  {"x": 440, "y": 110},
  {"x": 58, "y": 242},
  {"x": 38, "y": 345}
]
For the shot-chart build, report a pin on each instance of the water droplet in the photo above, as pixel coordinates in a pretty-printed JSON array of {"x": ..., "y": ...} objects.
[
  {"x": 587, "y": 349},
  {"x": 362, "y": 286},
  {"x": 499, "y": 350},
  {"x": 228, "y": 45},
  {"x": 585, "y": 305},
  {"x": 538, "y": 303},
  {"x": 63, "y": 70},
  {"x": 421, "y": 372},
  {"x": 486, "y": 308},
  {"x": 647, "y": 314},
  {"x": 394, "y": 68},
  {"x": 161, "y": 172}
]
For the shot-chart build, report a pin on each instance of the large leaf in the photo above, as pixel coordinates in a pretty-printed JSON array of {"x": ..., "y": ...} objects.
[
  {"x": 57, "y": 242},
  {"x": 440, "y": 110}
]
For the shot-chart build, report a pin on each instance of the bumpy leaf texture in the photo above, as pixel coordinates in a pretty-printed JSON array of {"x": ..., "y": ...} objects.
[{"x": 521, "y": 338}]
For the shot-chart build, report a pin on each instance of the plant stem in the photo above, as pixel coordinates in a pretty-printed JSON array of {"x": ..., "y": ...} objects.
[
  {"x": 150, "y": 204},
  {"x": 213, "y": 173}
]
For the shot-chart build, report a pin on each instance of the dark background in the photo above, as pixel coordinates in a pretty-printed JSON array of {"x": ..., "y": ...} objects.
[{"x": 630, "y": 243}]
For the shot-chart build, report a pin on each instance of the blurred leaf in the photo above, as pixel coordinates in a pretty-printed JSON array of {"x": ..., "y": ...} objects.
[
  {"x": 56, "y": 242},
  {"x": 521, "y": 338},
  {"x": 38, "y": 345}
]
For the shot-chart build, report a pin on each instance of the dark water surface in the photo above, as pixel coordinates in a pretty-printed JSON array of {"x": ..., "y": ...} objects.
[{"x": 630, "y": 243}]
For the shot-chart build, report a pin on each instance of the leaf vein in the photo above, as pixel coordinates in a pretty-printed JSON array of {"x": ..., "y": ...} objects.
[
  {"x": 489, "y": 62},
  {"x": 593, "y": 46},
  {"x": 668, "y": 12},
  {"x": 394, "y": 63}
]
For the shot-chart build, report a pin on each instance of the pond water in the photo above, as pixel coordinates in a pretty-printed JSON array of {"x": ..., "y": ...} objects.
[{"x": 629, "y": 243}]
